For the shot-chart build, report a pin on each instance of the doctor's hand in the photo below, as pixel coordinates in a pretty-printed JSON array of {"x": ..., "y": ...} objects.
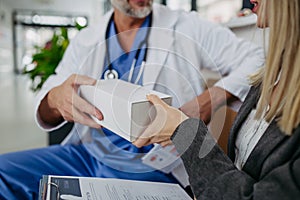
[
  {"x": 204, "y": 105},
  {"x": 164, "y": 124},
  {"x": 64, "y": 103}
]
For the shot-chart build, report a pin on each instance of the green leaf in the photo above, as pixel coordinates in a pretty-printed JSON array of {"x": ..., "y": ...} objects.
[{"x": 47, "y": 58}]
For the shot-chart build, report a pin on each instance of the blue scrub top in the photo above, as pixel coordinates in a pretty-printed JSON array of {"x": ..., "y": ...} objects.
[
  {"x": 109, "y": 148},
  {"x": 122, "y": 61}
]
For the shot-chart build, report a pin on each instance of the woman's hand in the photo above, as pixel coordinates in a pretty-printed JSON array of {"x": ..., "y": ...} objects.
[{"x": 164, "y": 124}]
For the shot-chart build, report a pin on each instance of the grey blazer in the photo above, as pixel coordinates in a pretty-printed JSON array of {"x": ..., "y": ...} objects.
[{"x": 272, "y": 170}]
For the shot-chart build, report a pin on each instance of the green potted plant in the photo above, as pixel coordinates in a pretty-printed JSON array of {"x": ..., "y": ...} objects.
[
  {"x": 47, "y": 59},
  {"x": 44, "y": 63}
]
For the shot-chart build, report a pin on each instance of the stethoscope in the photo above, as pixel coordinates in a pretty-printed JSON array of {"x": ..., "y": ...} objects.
[{"x": 111, "y": 73}]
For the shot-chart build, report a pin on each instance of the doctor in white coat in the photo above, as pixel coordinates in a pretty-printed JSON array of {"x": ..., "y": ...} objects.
[{"x": 175, "y": 47}]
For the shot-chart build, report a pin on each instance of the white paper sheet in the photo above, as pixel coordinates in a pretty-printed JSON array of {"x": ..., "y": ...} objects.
[{"x": 114, "y": 189}]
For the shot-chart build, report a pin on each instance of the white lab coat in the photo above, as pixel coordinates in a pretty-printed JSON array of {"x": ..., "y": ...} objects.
[{"x": 180, "y": 46}]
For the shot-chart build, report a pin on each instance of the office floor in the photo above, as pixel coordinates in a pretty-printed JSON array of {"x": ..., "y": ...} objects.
[{"x": 18, "y": 130}]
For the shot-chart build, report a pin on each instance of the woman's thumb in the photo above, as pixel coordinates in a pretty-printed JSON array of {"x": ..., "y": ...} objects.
[{"x": 155, "y": 100}]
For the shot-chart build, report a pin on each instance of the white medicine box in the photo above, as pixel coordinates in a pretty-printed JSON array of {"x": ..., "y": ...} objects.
[{"x": 124, "y": 106}]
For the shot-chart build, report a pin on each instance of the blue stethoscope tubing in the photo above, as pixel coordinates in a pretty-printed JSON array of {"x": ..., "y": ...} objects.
[{"x": 111, "y": 73}]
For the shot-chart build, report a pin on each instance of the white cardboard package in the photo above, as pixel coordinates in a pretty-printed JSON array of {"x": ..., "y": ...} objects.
[{"x": 125, "y": 108}]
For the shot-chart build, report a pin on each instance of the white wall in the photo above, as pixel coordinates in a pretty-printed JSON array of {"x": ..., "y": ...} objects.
[
  {"x": 245, "y": 27},
  {"x": 5, "y": 38}
]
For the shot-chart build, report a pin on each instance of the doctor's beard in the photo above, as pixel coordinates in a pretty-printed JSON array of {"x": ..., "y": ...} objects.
[{"x": 127, "y": 9}]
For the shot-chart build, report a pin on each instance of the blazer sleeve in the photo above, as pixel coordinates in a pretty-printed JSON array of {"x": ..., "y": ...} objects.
[{"x": 213, "y": 175}]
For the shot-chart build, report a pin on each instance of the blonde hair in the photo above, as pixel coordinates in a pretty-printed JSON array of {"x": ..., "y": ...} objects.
[{"x": 283, "y": 63}]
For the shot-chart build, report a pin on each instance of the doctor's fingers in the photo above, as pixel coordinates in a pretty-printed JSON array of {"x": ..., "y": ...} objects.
[
  {"x": 84, "y": 119},
  {"x": 86, "y": 107},
  {"x": 76, "y": 80}
]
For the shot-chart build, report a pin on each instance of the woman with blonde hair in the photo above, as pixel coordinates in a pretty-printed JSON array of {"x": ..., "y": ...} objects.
[{"x": 263, "y": 160}]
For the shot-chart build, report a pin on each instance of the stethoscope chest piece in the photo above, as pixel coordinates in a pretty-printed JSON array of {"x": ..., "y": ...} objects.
[{"x": 111, "y": 74}]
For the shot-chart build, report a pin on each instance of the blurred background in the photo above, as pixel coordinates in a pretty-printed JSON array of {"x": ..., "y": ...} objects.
[{"x": 27, "y": 27}]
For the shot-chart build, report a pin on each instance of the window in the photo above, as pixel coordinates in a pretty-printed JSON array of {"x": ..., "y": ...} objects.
[
  {"x": 213, "y": 10},
  {"x": 36, "y": 29}
]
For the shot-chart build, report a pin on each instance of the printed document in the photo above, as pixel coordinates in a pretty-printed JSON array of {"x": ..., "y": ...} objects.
[{"x": 87, "y": 188}]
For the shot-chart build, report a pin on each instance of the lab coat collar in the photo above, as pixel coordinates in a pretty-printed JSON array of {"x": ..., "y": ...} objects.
[
  {"x": 163, "y": 17},
  {"x": 160, "y": 40}
]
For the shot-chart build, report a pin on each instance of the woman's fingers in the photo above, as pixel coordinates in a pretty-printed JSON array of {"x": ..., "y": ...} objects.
[
  {"x": 155, "y": 100},
  {"x": 166, "y": 143},
  {"x": 162, "y": 127},
  {"x": 140, "y": 142}
]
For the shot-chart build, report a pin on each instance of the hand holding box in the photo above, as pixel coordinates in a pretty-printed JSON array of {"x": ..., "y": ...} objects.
[{"x": 124, "y": 106}]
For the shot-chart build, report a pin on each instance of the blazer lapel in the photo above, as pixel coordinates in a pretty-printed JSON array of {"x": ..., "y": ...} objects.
[
  {"x": 244, "y": 111},
  {"x": 271, "y": 138}
]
